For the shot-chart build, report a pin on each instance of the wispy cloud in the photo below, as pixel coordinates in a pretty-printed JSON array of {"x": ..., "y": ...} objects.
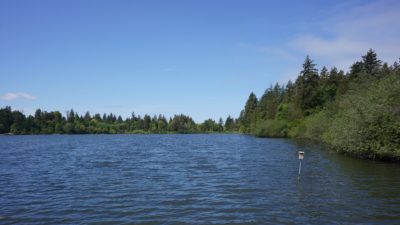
[
  {"x": 280, "y": 52},
  {"x": 18, "y": 95},
  {"x": 342, "y": 35},
  {"x": 350, "y": 31}
]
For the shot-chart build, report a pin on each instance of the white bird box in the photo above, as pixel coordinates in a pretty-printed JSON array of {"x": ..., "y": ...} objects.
[{"x": 301, "y": 155}]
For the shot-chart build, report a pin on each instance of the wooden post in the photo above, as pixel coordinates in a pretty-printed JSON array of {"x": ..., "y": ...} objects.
[{"x": 301, "y": 157}]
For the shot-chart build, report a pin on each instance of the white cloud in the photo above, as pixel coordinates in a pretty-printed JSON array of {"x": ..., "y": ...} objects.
[
  {"x": 350, "y": 32},
  {"x": 18, "y": 95},
  {"x": 339, "y": 52},
  {"x": 340, "y": 37}
]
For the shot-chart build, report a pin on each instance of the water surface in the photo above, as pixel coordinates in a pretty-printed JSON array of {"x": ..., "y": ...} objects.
[{"x": 189, "y": 179}]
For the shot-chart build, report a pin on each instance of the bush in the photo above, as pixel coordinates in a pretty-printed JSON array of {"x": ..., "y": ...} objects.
[
  {"x": 368, "y": 120},
  {"x": 314, "y": 126},
  {"x": 272, "y": 128}
]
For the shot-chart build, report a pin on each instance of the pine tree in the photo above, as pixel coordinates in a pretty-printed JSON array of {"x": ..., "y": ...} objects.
[
  {"x": 229, "y": 124},
  {"x": 220, "y": 124},
  {"x": 307, "y": 85},
  {"x": 356, "y": 70},
  {"x": 146, "y": 122},
  {"x": 371, "y": 63},
  {"x": 289, "y": 92},
  {"x": 6, "y": 119},
  {"x": 87, "y": 117},
  {"x": 248, "y": 116}
]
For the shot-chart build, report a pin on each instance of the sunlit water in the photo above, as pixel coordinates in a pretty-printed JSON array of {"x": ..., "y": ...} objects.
[{"x": 189, "y": 179}]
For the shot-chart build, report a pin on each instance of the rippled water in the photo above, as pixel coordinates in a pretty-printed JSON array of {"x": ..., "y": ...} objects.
[{"x": 193, "y": 179}]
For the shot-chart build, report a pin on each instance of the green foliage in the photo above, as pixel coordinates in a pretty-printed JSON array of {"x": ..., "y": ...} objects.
[
  {"x": 313, "y": 127},
  {"x": 307, "y": 85},
  {"x": 272, "y": 128},
  {"x": 6, "y": 119},
  {"x": 210, "y": 126},
  {"x": 182, "y": 124},
  {"x": 44, "y": 122},
  {"x": 249, "y": 114},
  {"x": 371, "y": 64},
  {"x": 283, "y": 111},
  {"x": 356, "y": 113},
  {"x": 368, "y": 121},
  {"x": 230, "y": 124},
  {"x": 269, "y": 102}
]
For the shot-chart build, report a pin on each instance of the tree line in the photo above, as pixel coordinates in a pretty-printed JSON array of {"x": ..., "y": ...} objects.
[
  {"x": 43, "y": 122},
  {"x": 357, "y": 112}
]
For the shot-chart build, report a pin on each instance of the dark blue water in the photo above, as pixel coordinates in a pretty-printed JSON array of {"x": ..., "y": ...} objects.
[{"x": 189, "y": 179}]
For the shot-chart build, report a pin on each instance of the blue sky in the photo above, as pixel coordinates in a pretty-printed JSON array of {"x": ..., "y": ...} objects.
[{"x": 200, "y": 58}]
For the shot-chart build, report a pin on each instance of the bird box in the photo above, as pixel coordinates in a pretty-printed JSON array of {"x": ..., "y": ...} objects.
[{"x": 301, "y": 155}]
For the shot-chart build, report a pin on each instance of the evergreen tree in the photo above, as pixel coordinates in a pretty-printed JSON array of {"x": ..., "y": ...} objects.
[
  {"x": 220, "y": 124},
  {"x": 97, "y": 117},
  {"x": 324, "y": 74},
  {"x": 289, "y": 92},
  {"x": 87, "y": 117},
  {"x": 356, "y": 70},
  {"x": 182, "y": 124},
  {"x": 146, "y": 122},
  {"x": 162, "y": 123},
  {"x": 248, "y": 116},
  {"x": 307, "y": 86},
  {"x": 371, "y": 63},
  {"x": 269, "y": 102},
  {"x": 229, "y": 124},
  {"x": 6, "y": 119},
  {"x": 70, "y": 116}
]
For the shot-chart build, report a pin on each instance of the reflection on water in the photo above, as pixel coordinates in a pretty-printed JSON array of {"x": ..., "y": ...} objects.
[{"x": 196, "y": 179}]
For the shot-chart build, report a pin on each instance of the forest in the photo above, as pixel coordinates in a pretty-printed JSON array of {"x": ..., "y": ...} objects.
[
  {"x": 43, "y": 122},
  {"x": 357, "y": 112}
]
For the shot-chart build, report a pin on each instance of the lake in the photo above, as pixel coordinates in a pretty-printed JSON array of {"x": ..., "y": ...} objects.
[{"x": 189, "y": 179}]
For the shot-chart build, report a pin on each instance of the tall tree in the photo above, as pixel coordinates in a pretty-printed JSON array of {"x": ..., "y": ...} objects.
[
  {"x": 229, "y": 124},
  {"x": 248, "y": 116},
  {"x": 6, "y": 119},
  {"x": 371, "y": 63},
  {"x": 307, "y": 86},
  {"x": 146, "y": 122},
  {"x": 269, "y": 102}
]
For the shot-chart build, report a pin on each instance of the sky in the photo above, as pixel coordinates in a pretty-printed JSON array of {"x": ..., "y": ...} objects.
[{"x": 200, "y": 58}]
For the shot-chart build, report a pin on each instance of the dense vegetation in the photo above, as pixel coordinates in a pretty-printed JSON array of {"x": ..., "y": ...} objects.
[
  {"x": 43, "y": 122},
  {"x": 357, "y": 112}
]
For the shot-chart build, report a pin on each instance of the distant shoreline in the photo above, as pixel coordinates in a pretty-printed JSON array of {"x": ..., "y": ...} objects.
[{"x": 12, "y": 134}]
